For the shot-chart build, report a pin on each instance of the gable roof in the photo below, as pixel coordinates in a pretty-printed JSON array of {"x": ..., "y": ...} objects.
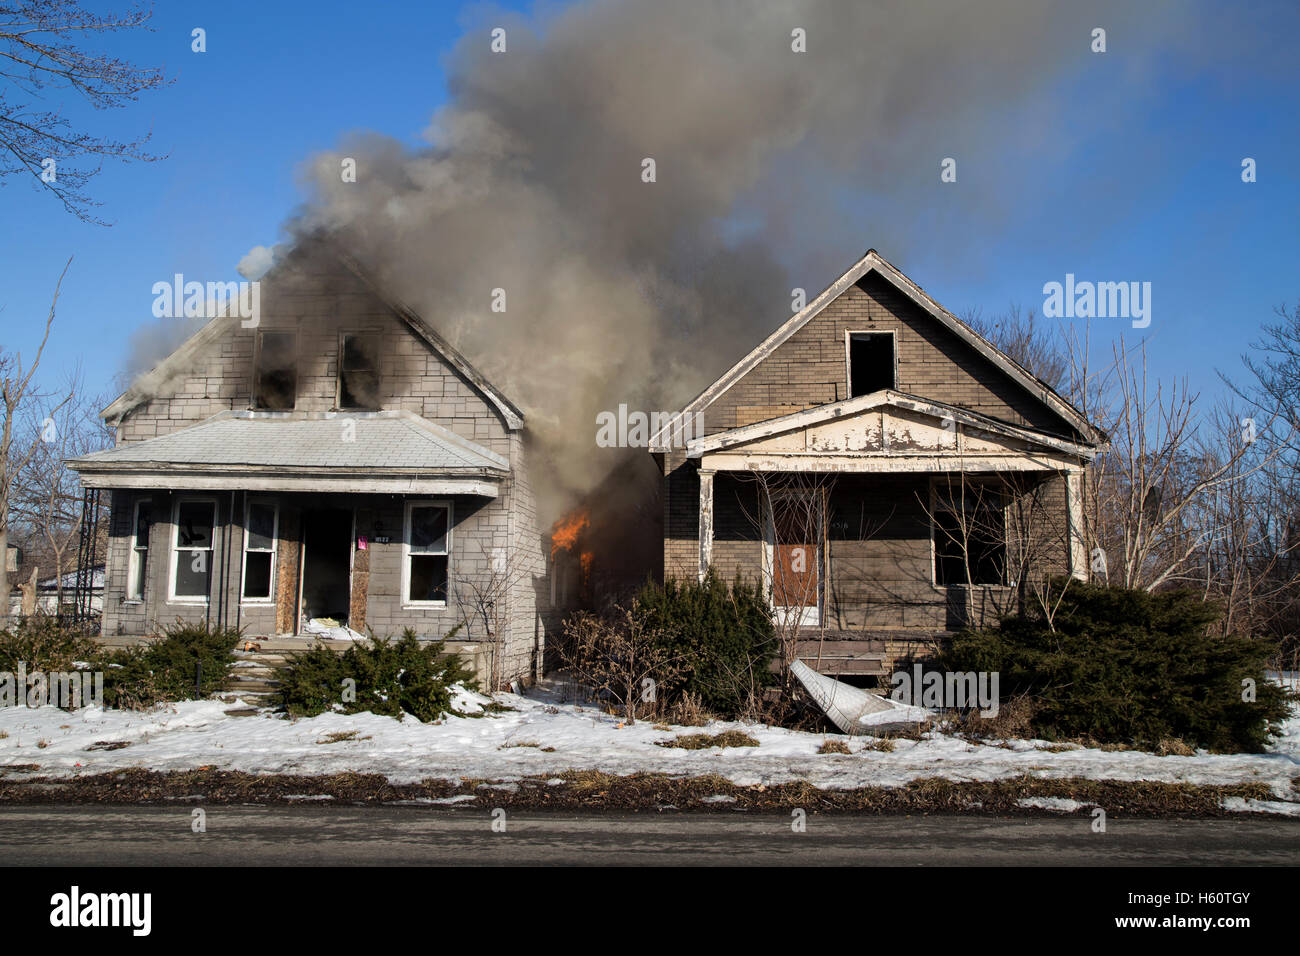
[
  {"x": 847, "y": 408},
  {"x": 875, "y": 262},
  {"x": 152, "y": 381}
]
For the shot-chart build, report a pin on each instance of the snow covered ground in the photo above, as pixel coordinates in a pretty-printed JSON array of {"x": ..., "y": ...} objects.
[{"x": 544, "y": 737}]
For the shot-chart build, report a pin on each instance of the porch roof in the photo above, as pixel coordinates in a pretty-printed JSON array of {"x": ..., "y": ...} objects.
[
  {"x": 886, "y": 431},
  {"x": 387, "y": 452}
]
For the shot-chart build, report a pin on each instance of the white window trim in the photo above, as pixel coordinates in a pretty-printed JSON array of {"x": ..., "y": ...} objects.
[
  {"x": 809, "y": 616},
  {"x": 172, "y": 596},
  {"x": 938, "y": 504},
  {"x": 134, "y": 582},
  {"x": 406, "y": 548},
  {"x": 274, "y": 551},
  {"x": 848, "y": 356}
]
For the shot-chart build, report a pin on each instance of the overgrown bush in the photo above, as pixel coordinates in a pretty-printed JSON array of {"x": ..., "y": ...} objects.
[
  {"x": 722, "y": 637},
  {"x": 166, "y": 668},
  {"x": 407, "y": 676},
  {"x": 622, "y": 658},
  {"x": 1124, "y": 666},
  {"x": 43, "y": 644}
]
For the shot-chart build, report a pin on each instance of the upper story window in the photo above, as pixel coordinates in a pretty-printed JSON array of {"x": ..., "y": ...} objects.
[
  {"x": 275, "y": 386},
  {"x": 359, "y": 371},
  {"x": 871, "y": 362}
]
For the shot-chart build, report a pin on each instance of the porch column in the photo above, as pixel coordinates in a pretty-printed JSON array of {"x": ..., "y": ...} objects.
[
  {"x": 1074, "y": 502},
  {"x": 706, "y": 521}
]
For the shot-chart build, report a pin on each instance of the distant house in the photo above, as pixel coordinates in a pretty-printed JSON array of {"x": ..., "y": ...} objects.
[
  {"x": 886, "y": 472},
  {"x": 338, "y": 462},
  {"x": 47, "y": 594}
]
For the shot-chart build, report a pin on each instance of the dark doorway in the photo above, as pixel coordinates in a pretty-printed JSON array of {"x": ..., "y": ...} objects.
[{"x": 327, "y": 564}]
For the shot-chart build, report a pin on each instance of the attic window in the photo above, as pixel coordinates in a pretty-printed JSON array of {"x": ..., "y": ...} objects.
[
  {"x": 359, "y": 372},
  {"x": 871, "y": 362},
  {"x": 276, "y": 384}
]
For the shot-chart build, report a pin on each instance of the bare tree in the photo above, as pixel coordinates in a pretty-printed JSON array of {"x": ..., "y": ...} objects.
[
  {"x": 484, "y": 598},
  {"x": 42, "y": 50},
  {"x": 1026, "y": 340},
  {"x": 16, "y": 390},
  {"x": 1146, "y": 487},
  {"x": 46, "y": 496}
]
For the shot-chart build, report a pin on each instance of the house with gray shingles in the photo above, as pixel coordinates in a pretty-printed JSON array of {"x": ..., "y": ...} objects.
[
  {"x": 337, "y": 461},
  {"x": 886, "y": 473}
]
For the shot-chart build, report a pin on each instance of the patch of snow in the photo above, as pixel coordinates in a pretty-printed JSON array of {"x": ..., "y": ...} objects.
[
  {"x": 1244, "y": 805},
  {"x": 718, "y": 798},
  {"x": 1063, "y": 804},
  {"x": 193, "y": 734}
]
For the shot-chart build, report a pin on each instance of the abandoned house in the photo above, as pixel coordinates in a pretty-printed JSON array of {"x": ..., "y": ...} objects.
[
  {"x": 887, "y": 473},
  {"x": 335, "y": 463}
]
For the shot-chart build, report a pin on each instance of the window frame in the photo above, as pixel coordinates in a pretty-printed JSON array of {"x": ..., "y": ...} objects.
[
  {"x": 338, "y": 377},
  {"x": 938, "y": 504},
  {"x": 848, "y": 357},
  {"x": 411, "y": 505},
  {"x": 135, "y": 568},
  {"x": 257, "y": 370},
  {"x": 274, "y": 551},
  {"x": 175, "y": 549}
]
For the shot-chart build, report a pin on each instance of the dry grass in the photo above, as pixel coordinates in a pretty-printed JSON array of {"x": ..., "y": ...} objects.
[
  {"x": 728, "y": 738},
  {"x": 519, "y": 743},
  {"x": 830, "y": 746},
  {"x": 1173, "y": 747},
  {"x": 883, "y": 744},
  {"x": 340, "y": 736}
]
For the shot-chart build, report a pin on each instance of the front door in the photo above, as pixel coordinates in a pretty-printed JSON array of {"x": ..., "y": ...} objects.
[
  {"x": 326, "y": 565},
  {"x": 795, "y": 558}
]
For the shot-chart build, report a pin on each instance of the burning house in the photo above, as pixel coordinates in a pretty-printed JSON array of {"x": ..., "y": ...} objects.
[
  {"x": 334, "y": 461},
  {"x": 887, "y": 473}
]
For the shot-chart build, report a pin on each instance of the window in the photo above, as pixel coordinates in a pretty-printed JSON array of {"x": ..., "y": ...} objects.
[
  {"x": 136, "y": 574},
  {"x": 276, "y": 383},
  {"x": 358, "y": 372},
  {"x": 871, "y": 362},
  {"x": 261, "y": 528},
  {"x": 969, "y": 533},
  {"x": 192, "y": 547},
  {"x": 428, "y": 539}
]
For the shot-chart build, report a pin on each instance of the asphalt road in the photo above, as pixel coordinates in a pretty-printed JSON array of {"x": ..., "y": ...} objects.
[{"x": 338, "y": 836}]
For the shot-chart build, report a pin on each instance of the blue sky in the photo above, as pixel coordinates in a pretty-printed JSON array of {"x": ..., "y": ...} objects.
[{"x": 1145, "y": 183}]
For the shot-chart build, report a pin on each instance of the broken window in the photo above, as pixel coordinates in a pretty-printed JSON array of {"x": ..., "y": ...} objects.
[
  {"x": 359, "y": 372},
  {"x": 136, "y": 574},
  {"x": 970, "y": 538},
  {"x": 871, "y": 362},
  {"x": 428, "y": 535},
  {"x": 276, "y": 385},
  {"x": 259, "y": 550},
  {"x": 192, "y": 558}
]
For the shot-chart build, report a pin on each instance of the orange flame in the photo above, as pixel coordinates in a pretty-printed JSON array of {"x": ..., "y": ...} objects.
[{"x": 567, "y": 529}]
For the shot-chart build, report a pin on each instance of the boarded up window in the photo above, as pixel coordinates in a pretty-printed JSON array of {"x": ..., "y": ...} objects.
[
  {"x": 276, "y": 384},
  {"x": 359, "y": 372},
  {"x": 871, "y": 362}
]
